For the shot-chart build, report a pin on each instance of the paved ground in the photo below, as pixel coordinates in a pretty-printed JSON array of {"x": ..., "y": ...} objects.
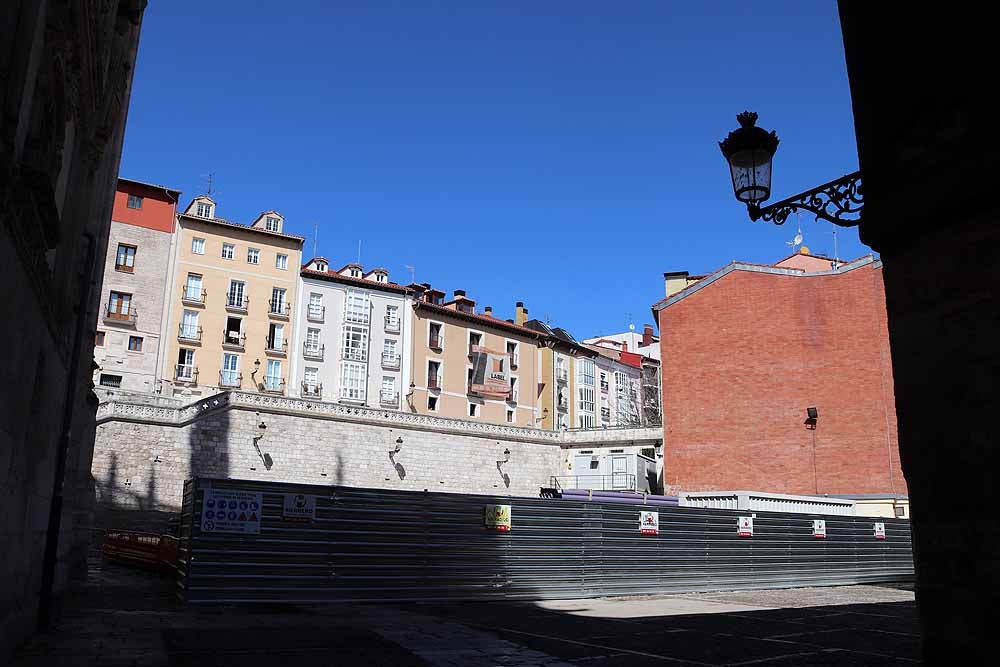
[{"x": 123, "y": 617}]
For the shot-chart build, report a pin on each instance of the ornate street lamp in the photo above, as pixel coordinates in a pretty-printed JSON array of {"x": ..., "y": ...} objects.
[{"x": 749, "y": 151}]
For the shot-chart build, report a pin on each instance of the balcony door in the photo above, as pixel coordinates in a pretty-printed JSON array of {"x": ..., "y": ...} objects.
[
  {"x": 192, "y": 288},
  {"x": 230, "y": 369},
  {"x": 189, "y": 326},
  {"x": 237, "y": 292},
  {"x": 119, "y": 304}
]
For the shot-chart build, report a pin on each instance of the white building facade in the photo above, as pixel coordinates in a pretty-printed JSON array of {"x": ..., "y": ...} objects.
[{"x": 353, "y": 336}]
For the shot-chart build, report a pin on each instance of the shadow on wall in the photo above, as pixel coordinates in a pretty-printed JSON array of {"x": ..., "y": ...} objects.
[{"x": 208, "y": 449}]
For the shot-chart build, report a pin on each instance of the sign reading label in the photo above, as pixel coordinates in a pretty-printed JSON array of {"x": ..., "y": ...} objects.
[
  {"x": 819, "y": 529},
  {"x": 879, "y": 530},
  {"x": 649, "y": 523},
  {"x": 231, "y": 511},
  {"x": 497, "y": 517},
  {"x": 299, "y": 507},
  {"x": 744, "y": 526}
]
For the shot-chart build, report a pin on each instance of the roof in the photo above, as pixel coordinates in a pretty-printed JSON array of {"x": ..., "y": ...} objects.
[
  {"x": 228, "y": 223},
  {"x": 173, "y": 191},
  {"x": 866, "y": 260},
  {"x": 485, "y": 320},
  {"x": 566, "y": 338},
  {"x": 335, "y": 277}
]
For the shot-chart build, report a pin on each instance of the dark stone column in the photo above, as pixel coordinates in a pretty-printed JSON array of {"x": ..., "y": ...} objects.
[{"x": 929, "y": 149}]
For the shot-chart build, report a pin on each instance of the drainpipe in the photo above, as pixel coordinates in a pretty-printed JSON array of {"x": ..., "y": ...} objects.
[{"x": 65, "y": 434}]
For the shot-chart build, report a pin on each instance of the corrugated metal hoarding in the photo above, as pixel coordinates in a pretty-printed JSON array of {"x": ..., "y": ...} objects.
[{"x": 308, "y": 544}]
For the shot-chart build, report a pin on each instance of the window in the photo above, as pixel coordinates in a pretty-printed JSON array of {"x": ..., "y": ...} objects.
[
  {"x": 278, "y": 305},
  {"x": 310, "y": 378},
  {"x": 185, "y": 364},
  {"x": 230, "y": 370},
  {"x": 512, "y": 353},
  {"x": 475, "y": 340},
  {"x": 234, "y": 331},
  {"x": 561, "y": 421},
  {"x": 433, "y": 374},
  {"x": 604, "y": 381},
  {"x": 432, "y": 403},
  {"x": 473, "y": 409},
  {"x": 125, "y": 260},
  {"x": 585, "y": 372},
  {"x": 204, "y": 210},
  {"x": 465, "y": 308},
  {"x": 355, "y": 345},
  {"x": 192, "y": 288},
  {"x": 113, "y": 381},
  {"x": 352, "y": 381},
  {"x": 237, "y": 294},
  {"x": 381, "y": 277},
  {"x": 272, "y": 224},
  {"x": 389, "y": 348},
  {"x": 586, "y": 395},
  {"x": 315, "y": 312},
  {"x": 276, "y": 337},
  {"x": 356, "y": 307},
  {"x": 435, "y": 337},
  {"x": 189, "y": 325},
  {"x": 198, "y": 246},
  {"x": 228, "y": 251},
  {"x": 355, "y": 273},
  {"x": 586, "y": 421},
  {"x": 388, "y": 389},
  {"x": 392, "y": 318},
  {"x": 510, "y": 416},
  {"x": 312, "y": 339},
  {"x": 253, "y": 255},
  {"x": 119, "y": 306},
  {"x": 99, "y": 339},
  {"x": 281, "y": 261},
  {"x": 513, "y": 390},
  {"x": 272, "y": 378},
  {"x": 134, "y": 201}
]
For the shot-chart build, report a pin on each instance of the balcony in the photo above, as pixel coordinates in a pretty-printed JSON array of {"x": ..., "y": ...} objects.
[
  {"x": 562, "y": 375},
  {"x": 278, "y": 309},
  {"x": 355, "y": 317},
  {"x": 230, "y": 379},
  {"x": 354, "y": 354},
  {"x": 606, "y": 414},
  {"x": 232, "y": 340},
  {"x": 562, "y": 403},
  {"x": 389, "y": 399},
  {"x": 314, "y": 351},
  {"x": 391, "y": 324},
  {"x": 188, "y": 334},
  {"x": 435, "y": 342},
  {"x": 512, "y": 359},
  {"x": 185, "y": 374},
  {"x": 273, "y": 385},
  {"x": 114, "y": 314},
  {"x": 191, "y": 296},
  {"x": 433, "y": 381},
  {"x": 278, "y": 348},
  {"x": 349, "y": 395},
  {"x": 237, "y": 304},
  {"x": 316, "y": 313},
  {"x": 604, "y": 387},
  {"x": 390, "y": 360},
  {"x": 313, "y": 391}
]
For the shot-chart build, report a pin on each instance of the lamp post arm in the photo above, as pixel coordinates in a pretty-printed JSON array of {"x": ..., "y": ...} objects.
[{"x": 840, "y": 201}]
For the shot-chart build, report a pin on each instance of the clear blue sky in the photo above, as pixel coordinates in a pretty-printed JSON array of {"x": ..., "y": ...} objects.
[{"x": 559, "y": 153}]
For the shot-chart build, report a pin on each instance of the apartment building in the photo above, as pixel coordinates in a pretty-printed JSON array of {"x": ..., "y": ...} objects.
[
  {"x": 567, "y": 393},
  {"x": 353, "y": 330},
  {"x": 618, "y": 397},
  {"x": 231, "y": 311},
  {"x": 469, "y": 365},
  {"x": 646, "y": 344},
  {"x": 127, "y": 345}
]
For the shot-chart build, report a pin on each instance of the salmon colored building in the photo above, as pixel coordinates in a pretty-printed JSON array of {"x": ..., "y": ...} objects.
[{"x": 778, "y": 378}]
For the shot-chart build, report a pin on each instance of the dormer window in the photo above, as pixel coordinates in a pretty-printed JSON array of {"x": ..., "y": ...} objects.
[
  {"x": 465, "y": 308},
  {"x": 321, "y": 266},
  {"x": 381, "y": 277},
  {"x": 272, "y": 224},
  {"x": 204, "y": 210},
  {"x": 355, "y": 273}
]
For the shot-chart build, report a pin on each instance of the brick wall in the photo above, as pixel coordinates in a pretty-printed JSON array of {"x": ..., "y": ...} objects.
[{"x": 744, "y": 356}]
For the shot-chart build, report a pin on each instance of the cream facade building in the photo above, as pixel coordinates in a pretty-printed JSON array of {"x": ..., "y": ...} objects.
[{"x": 231, "y": 311}]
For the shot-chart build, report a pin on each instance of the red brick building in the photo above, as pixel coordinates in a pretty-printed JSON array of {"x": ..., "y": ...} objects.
[{"x": 748, "y": 349}]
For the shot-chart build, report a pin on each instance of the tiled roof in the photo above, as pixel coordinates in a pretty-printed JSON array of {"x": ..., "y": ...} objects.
[
  {"x": 486, "y": 320},
  {"x": 173, "y": 191},
  {"x": 228, "y": 223},
  {"x": 348, "y": 280}
]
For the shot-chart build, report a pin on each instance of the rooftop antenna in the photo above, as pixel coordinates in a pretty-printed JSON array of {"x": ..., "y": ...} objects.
[
  {"x": 211, "y": 181},
  {"x": 413, "y": 274},
  {"x": 315, "y": 238},
  {"x": 359, "y": 251}
]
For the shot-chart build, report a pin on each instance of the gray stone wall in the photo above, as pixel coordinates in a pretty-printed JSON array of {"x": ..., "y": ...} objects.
[{"x": 147, "y": 285}]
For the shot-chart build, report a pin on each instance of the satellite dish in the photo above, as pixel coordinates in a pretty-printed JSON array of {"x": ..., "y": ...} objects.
[
  {"x": 797, "y": 240},
  {"x": 631, "y": 327}
]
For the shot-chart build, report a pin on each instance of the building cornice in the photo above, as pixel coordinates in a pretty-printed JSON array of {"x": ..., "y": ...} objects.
[
  {"x": 355, "y": 282},
  {"x": 236, "y": 225}
]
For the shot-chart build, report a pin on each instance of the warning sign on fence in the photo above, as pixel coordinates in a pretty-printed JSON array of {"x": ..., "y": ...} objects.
[
  {"x": 649, "y": 523},
  {"x": 231, "y": 511},
  {"x": 879, "y": 530},
  {"x": 819, "y": 529},
  {"x": 744, "y": 526},
  {"x": 497, "y": 517},
  {"x": 299, "y": 507}
]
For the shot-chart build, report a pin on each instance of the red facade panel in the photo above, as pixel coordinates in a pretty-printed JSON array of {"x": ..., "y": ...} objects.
[{"x": 154, "y": 208}]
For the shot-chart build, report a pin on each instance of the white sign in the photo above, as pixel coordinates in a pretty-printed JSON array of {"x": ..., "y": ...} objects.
[
  {"x": 744, "y": 526},
  {"x": 299, "y": 507},
  {"x": 497, "y": 517},
  {"x": 649, "y": 523},
  {"x": 231, "y": 511},
  {"x": 879, "y": 530},
  {"x": 819, "y": 529}
]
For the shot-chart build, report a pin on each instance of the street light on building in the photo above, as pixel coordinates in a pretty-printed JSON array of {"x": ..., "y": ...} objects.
[{"x": 749, "y": 150}]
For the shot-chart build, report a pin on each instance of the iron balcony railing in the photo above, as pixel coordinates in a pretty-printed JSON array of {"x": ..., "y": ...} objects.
[
  {"x": 237, "y": 304},
  {"x": 392, "y": 324},
  {"x": 435, "y": 342},
  {"x": 115, "y": 313},
  {"x": 389, "y": 398},
  {"x": 186, "y": 373},
  {"x": 189, "y": 333},
  {"x": 562, "y": 375},
  {"x": 273, "y": 385},
  {"x": 316, "y": 313},
  {"x": 314, "y": 351},
  {"x": 433, "y": 381},
  {"x": 354, "y": 354},
  {"x": 124, "y": 268},
  {"x": 273, "y": 346},
  {"x": 278, "y": 308},
  {"x": 193, "y": 296},
  {"x": 233, "y": 340},
  {"x": 230, "y": 379},
  {"x": 390, "y": 360},
  {"x": 618, "y": 481},
  {"x": 312, "y": 390},
  {"x": 112, "y": 381}
]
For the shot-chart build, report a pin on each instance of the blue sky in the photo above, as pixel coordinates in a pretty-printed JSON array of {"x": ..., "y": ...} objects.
[{"x": 563, "y": 153}]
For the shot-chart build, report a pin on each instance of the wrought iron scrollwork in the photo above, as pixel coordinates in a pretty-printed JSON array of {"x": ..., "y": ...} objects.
[{"x": 840, "y": 202}]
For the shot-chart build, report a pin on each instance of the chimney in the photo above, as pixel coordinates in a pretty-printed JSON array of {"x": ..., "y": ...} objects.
[
  {"x": 488, "y": 310},
  {"x": 459, "y": 292},
  {"x": 624, "y": 346},
  {"x": 675, "y": 281},
  {"x": 647, "y": 335},
  {"x": 520, "y": 313}
]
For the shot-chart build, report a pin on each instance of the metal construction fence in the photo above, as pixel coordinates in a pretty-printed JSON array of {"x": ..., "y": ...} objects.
[{"x": 244, "y": 541}]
